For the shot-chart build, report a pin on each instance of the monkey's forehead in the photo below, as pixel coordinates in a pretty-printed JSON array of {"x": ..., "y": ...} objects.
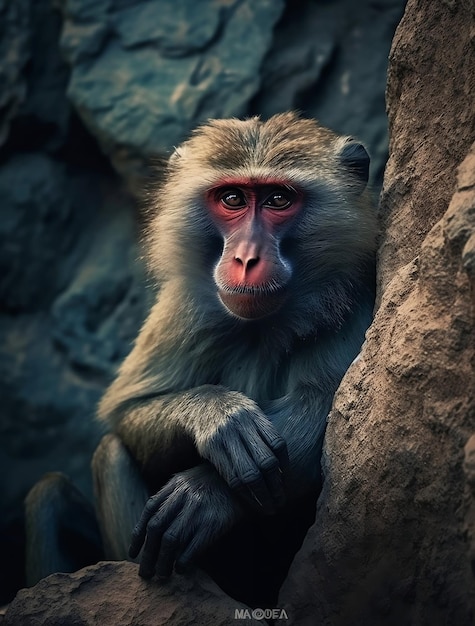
[{"x": 282, "y": 142}]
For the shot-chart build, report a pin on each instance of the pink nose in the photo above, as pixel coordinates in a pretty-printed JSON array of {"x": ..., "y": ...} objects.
[
  {"x": 249, "y": 269},
  {"x": 247, "y": 262},
  {"x": 246, "y": 256}
]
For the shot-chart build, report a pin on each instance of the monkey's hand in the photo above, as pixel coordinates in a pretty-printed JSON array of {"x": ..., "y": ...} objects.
[
  {"x": 248, "y": 452},
  {"x": 190, "y": 512}
]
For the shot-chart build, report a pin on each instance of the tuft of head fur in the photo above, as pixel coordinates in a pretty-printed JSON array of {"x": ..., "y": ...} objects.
[{"x": 284, "y": 145}]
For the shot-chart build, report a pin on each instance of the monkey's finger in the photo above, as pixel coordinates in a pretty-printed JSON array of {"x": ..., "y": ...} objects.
[
  {"x": 158, "y": 528},
  {"x": 151, "y": 548},
  {"x": 169, "y": 549},
  {"x": 140, "y": 530},
  {"x": 244, "y": 476},
  {"x": 253, "y": 489},
  {"x": 265, "y": 488},
  {"x": 275, "y": 442},
  {"x": 195, "y": 548},
  {"x": 151, "y": 508},
  {"x": 270, "y": 477},
  {"x": 163, "y": 532},
  {"x": 238, "y": 460},
  {"x": 279, "y": 446}
]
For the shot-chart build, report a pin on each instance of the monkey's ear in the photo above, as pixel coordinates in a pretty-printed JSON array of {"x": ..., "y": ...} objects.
[{"x": 355, "y": 159}]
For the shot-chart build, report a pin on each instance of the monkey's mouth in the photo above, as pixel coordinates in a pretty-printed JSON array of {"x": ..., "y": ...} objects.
[{"x": 252, "y": 304}]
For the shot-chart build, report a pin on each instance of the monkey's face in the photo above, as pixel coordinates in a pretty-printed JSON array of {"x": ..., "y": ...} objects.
[
  {"x": 265, "y": 217},
  {"x": 252, "y": 215}
]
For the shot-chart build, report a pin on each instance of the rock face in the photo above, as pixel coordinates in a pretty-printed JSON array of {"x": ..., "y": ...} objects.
[
  {"x": 393, "y": 541},
  {"x": 112, "y": 594},
  {"x": 15, "y": 17},
  {"x": 143, "y": 74},
  {"x": 431, "y": 123},
  {"x": 90, "y": 89}
]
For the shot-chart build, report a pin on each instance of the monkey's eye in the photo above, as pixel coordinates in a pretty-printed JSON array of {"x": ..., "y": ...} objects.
[
  {"x": 233, "y": 199},
  {"x": 279, "y": 200}
]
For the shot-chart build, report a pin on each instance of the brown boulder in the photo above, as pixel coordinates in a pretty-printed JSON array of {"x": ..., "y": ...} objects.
[
  {"x": 430, "y": 99},
  {"x": 112, "y": 594}
]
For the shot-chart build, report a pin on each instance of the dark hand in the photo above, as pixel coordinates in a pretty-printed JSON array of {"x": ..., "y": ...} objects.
[
  {"x": 189, "y": 513},
  {"x": 251, "y": 456}
]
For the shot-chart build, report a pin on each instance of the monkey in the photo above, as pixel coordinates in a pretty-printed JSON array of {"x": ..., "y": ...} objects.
[{"x": 261, "y": 243}]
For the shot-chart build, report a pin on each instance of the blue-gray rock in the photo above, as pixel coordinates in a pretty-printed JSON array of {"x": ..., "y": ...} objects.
[
  {"x": 71, "y": 302},
  {"x": 145, "y": 73},
  {"x": 40, "y": 216},
  {"x": 350, "y": 96},
  {"x": 14, "y": 54},
  {"x": 44, "y": 116},
  {"x": 96, "y": 318},
  {"x": 39, "y": 221}
]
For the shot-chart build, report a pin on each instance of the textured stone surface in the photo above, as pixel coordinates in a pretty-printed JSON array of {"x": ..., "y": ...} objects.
[
  {"x": 72, "y": 302},
  {"x": 144, "y": 74},
  {"x": 112, "y": 594},
  {"x": 15, "y": 21},
  {"x": 393, "y": 541},
  {"x": 40, "y": 217},
  {"x": 73, "y": 344},
  {"x": 45, "y": 113},
  {"x": 431, "y": 87}
]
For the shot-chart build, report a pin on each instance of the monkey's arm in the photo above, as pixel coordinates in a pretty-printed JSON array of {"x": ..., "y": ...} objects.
[
  {"x": 160, "y": 405},
  {"x": 197, "y": 506},
  {"x": 223, "y": 427}
]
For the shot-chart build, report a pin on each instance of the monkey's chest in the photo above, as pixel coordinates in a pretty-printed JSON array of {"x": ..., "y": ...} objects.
[{"x": 260, "y": 378}]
